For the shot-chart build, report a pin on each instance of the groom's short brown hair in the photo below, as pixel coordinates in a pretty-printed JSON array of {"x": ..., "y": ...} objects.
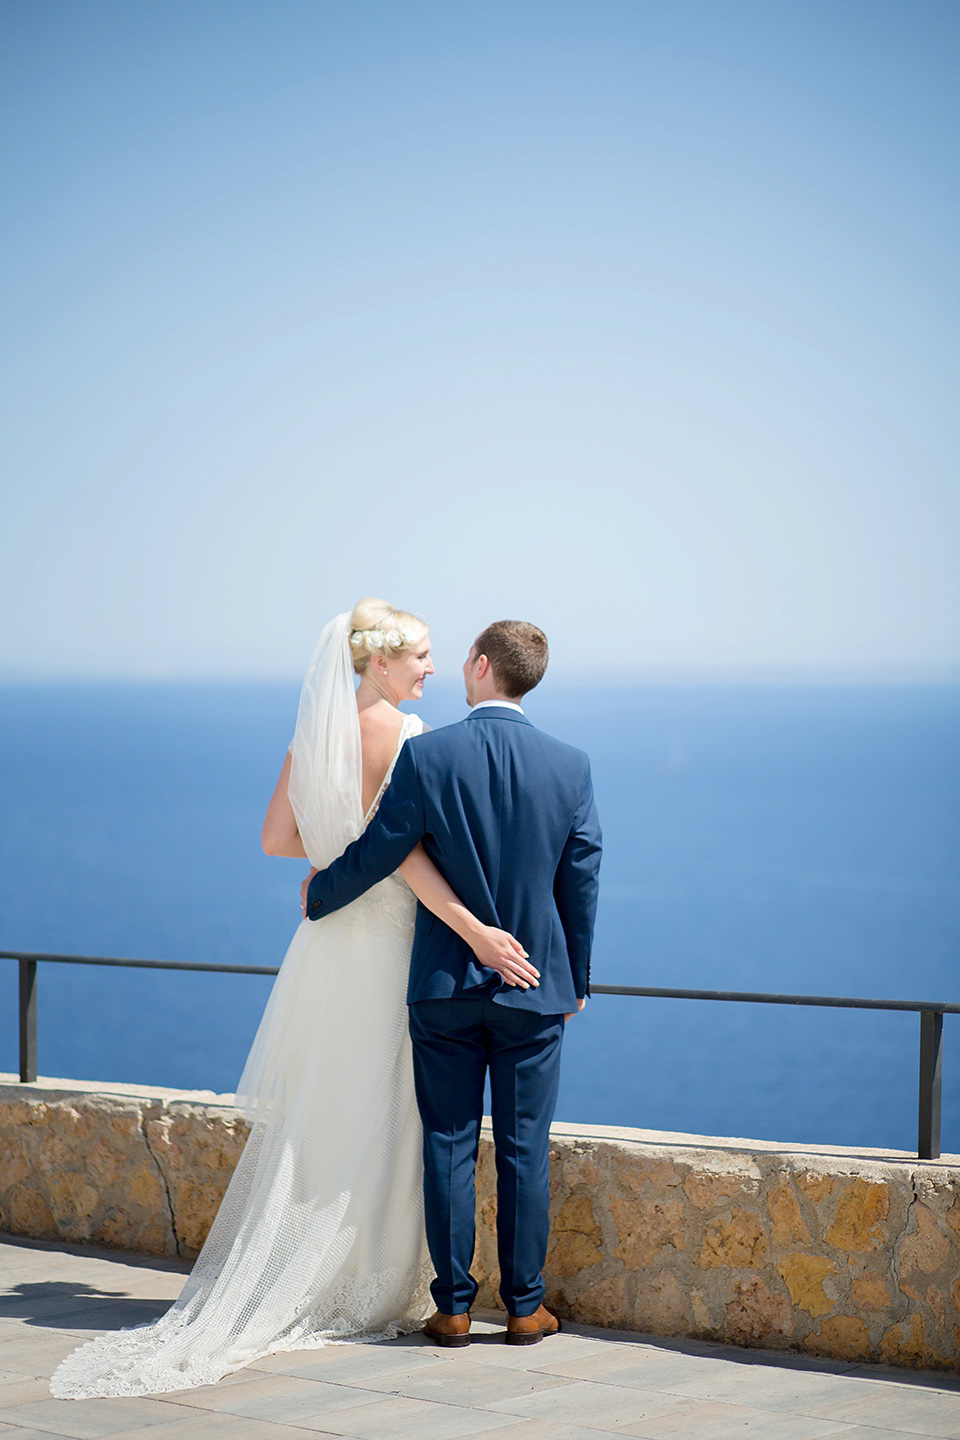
[{"x": 518, "y": 655}]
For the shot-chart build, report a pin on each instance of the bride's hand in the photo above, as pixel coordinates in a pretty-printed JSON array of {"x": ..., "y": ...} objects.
[
  {"x": 303, "y": 890},
  {"x": 498, "y": 950}
]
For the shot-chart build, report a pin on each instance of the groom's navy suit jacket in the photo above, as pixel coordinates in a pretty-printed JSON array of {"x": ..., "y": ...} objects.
[{"x": 506, "y": 813}]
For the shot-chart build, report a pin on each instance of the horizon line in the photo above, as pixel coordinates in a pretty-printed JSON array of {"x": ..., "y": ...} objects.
[{"x": 642, "y": 675}]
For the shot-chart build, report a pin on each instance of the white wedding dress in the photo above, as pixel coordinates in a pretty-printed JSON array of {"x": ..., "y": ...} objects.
[{"x": 320, "y": 1234}]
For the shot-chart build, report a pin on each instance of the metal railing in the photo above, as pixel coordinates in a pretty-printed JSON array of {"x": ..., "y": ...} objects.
[{"x": 931, "y": 1014}]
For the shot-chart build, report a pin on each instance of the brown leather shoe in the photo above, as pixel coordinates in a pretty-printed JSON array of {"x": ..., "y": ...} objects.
[
  {"x": 451, "y": 1331},
  {"x": 528, "y": 1329}
]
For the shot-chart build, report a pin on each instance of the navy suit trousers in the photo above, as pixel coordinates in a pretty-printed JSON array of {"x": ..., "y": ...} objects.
[{"x": 455, "y": 1043}]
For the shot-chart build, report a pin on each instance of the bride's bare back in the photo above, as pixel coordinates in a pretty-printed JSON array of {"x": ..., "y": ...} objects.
[{"x": 380, "y": 727}]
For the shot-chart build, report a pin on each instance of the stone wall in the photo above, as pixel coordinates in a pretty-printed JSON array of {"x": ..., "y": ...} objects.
[
  {"x": 133, "y": 1167},
  {"x": 853, "y": 1254}
]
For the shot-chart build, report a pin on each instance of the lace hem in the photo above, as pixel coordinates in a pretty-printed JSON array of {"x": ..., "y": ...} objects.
[{"x": 142, "y": 1361}]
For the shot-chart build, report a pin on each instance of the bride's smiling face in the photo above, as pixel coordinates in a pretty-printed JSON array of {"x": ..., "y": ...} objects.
[{"x": 406, "y": 672}]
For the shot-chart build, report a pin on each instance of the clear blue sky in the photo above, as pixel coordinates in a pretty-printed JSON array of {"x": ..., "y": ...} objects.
[{"x": 635, "y": 319}]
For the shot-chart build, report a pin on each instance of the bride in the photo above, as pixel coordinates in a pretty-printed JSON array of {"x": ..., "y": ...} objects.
[{"x": 320, "y": 1234}]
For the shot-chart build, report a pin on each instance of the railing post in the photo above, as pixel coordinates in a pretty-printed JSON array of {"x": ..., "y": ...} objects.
[
  {"x": 931, "y": 1036},
  {"x": 28, "y": 1021}
]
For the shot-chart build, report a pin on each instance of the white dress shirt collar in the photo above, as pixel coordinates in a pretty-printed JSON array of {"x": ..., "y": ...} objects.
[{"x": 502, "y": 704}]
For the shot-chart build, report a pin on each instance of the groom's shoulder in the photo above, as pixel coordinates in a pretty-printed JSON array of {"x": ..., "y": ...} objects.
[
  {"x": 439, "y": 740},
  {"x": 474, "y": 731},
  {"x": 563, "y": 753},
  {"x": 432, "y": 741}
]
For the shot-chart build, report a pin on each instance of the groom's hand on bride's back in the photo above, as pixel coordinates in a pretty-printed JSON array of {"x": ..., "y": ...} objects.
[{"x": 304, "y": 887}]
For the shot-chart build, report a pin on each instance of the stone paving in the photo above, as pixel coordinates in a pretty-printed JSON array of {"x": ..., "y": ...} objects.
[{"x": 581, "y": 1385}]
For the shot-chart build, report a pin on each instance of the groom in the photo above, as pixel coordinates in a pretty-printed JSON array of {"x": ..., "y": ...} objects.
[{"x": 506, "y": 814}]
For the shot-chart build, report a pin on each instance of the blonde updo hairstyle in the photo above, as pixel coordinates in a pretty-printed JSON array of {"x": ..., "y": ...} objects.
[{"x": 377, "y": 629}]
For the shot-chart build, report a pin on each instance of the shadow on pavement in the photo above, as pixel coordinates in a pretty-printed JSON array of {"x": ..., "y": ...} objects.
[{"x": 61, "y": 1305}]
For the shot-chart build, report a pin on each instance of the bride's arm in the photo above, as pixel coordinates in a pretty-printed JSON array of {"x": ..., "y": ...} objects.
[
  {"x": 496, "y": 949},
  {"x": 280, "y": 835}
]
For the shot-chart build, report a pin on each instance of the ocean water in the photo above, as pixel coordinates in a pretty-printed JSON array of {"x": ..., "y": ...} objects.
[{"x": 785, "y": 839}]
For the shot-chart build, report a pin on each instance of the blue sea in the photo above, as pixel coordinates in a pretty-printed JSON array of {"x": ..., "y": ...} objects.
[{"x": 794, "y": 839}]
